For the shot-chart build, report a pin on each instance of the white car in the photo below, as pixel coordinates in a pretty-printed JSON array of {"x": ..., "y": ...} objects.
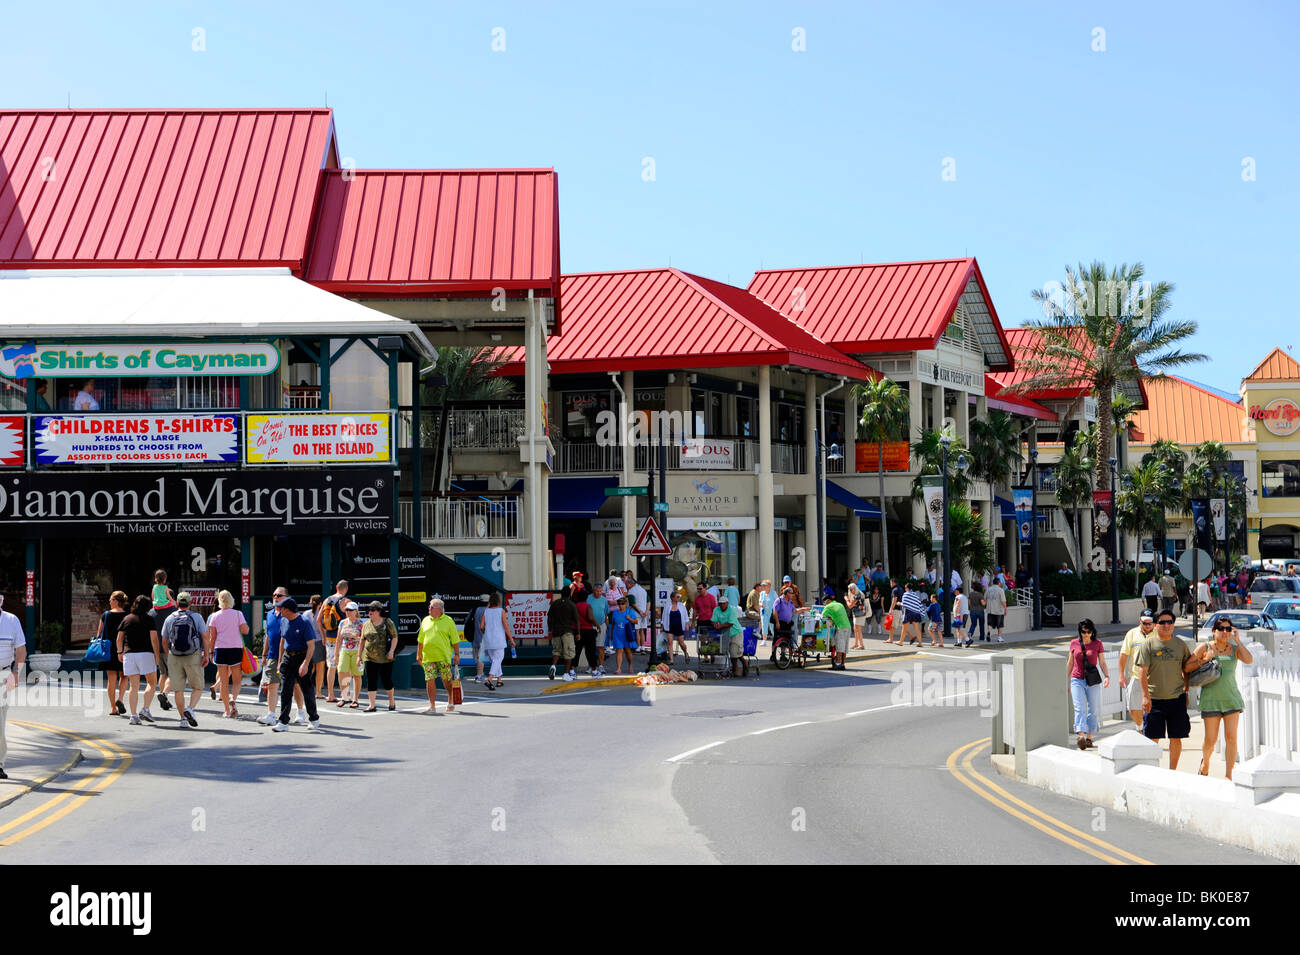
[{"x": 1240, "y": 618}]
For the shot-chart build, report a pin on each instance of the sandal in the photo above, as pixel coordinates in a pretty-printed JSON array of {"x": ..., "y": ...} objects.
[
  {"x": 342, "y": 703},
  {"x": 353, "y": 705},
  {"x": 234, "y": 713},
  {"x": 370, "y": 710},
  {"x": 391, "y": 707}
]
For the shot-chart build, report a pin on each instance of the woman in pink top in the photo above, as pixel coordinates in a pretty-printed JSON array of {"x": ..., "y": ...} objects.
[{"x": 227, "y": 628}]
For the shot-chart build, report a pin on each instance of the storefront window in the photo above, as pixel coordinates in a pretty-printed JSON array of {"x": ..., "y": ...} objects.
[
  {"x": 582, "y": 411},
  {"x": 746, "y": 417},
  {"x": 787, "y": 423},
  {"x": 1280, "y": 478},
  {"x": 706, "y": 412},
  {"x": 139, "y": 394},
  {"x": 722, "y": 557},
  {"x": 358, "y": 380}
]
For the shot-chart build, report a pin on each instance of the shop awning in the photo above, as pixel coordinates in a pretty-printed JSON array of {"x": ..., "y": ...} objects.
[
  {"x": 54, "y": 304},
  {"x": 859, "y": 506},
  {"x": 1008, "y": 509},
  {"x": 578, "y": 496}
]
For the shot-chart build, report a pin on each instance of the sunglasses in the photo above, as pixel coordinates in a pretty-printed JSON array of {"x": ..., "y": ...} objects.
[
  {"x": 1223, "y": 630},
  {"x": 1164, "y": 623}
]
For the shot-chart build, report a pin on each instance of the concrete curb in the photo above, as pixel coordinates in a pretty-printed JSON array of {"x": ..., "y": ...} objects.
[
  {"x": 587, "y": 684},
  {"x": 76, "y": 757}
]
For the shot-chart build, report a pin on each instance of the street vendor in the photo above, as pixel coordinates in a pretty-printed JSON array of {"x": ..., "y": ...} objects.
[
  {"x": 837, "y": 618},
  {"x": 726, "y": 624}
]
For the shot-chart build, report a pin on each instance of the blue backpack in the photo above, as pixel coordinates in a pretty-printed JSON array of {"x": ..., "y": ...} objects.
[{"x": 184, "y": 639}]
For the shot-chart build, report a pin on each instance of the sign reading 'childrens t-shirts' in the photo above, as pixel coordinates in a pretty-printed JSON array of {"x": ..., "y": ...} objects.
[
  {"x": 13, "y": 444},
  {"x": 88, "y": 359},
  {"x": 306, "y": 438},
  {"x": 137, "y": 439}
]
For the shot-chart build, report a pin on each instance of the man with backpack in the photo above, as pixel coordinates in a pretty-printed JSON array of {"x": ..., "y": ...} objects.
[
  {"x": 185, "y": 634},
  {"x": 327, "y": 621}
]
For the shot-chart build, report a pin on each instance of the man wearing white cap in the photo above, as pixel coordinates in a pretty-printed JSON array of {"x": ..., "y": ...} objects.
[
  {"x": 726, "y": 623},
  {"x": 13, "y": 653}
]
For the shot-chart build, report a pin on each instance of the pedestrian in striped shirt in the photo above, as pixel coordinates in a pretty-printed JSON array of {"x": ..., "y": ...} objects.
[{"x": 913, "y": 614}]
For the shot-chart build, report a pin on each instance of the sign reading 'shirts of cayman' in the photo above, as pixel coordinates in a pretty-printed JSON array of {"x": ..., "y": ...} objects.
[
  {"x": 227, "y": 503},
  {"x": 115, "y": 359},
  {"x": 309, "y": 438},
  {"x": 137, "y": 439}
]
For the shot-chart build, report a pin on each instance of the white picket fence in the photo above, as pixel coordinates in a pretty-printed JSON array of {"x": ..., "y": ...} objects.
[{"x": 1270, "y": 689}]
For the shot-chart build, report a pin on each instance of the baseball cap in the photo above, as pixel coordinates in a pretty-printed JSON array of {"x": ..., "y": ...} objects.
[
  {"x": 1147, "y": 615},
  {"x": 183, "y": 598},
  {"x": 785, "y": 579},
  {"x": 351, "y": 606},
  {"x": 723, "y": 598},
  {"x": 288, "y": 604}
]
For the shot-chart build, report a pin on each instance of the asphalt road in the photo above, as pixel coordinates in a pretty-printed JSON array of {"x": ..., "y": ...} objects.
[{"x": 704, "y": 773}]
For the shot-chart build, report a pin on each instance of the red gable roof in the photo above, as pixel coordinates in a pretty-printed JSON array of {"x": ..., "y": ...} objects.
[
  {"x": 157, "y": 187},
  {"x": 1024, "y": 345},
  {"x": 1016, "y": 404},
  {"x": 437, "y": 232},
  {"x": 903, "y": 306},
  {"x": 669, "y": 319}
]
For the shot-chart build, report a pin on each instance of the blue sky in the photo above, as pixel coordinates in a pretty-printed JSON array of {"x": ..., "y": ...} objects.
[{"x": 765, "y": 156}]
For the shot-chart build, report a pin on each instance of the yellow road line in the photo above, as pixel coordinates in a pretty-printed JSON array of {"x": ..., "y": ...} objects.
[
  {"x": 990, "y": 784},
  {"x": 112, "y": 754},
  {"x": 974, "y": 781}
]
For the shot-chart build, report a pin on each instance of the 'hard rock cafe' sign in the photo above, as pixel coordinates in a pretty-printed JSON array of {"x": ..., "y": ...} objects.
[{"x": 1281, "y": 416}]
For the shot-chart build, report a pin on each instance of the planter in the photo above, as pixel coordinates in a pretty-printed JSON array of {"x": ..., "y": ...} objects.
[
  {"x": 1099, "y": 611},
  {"x": 1017, "y": 620},
  {"x": 44, "y": 662}
]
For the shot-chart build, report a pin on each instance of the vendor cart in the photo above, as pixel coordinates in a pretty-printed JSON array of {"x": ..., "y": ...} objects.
[
  {"x": 811, "y": 638},
  {"x": 715, "y": 661}
]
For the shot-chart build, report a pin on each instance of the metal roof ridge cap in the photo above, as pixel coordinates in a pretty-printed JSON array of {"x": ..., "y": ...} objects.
[
  {"x": 398, "y": 170},
  {"x": 866, "y": 265},
  {"x": 220, "y": 271}
]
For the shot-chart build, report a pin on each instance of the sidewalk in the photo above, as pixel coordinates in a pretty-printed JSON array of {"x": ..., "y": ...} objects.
[{"x": 35, "y": 759}]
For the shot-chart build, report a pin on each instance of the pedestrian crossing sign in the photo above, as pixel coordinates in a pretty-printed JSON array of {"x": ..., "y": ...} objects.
[{"x": 650, "y": 541}]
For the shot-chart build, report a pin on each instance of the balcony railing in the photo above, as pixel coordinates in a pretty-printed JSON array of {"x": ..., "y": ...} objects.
[
  {"x": 479, "y": 518},
  {"x": 486, "y": 429},
  {"x": 587, "y": 457}
]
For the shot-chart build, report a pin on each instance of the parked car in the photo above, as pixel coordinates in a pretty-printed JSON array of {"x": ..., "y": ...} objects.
[
  {"x": 1265, "y": 589},
  {"x": 1241, "y": 619},
  {"x": 1285, "y": 612}
]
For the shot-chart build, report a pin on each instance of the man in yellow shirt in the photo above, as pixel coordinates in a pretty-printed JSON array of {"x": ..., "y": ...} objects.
[
  {"x": 436, "y": 650},
  {"x": 1129, "y": 684}
]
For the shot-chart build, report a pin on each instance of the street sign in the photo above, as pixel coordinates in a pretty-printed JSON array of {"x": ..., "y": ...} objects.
[
  {"x": 1205, "y": 561},
  {"x": 661, "y": 506},
  {"x": 650, "y": 541},
  {"x": 626, "y": 491}
]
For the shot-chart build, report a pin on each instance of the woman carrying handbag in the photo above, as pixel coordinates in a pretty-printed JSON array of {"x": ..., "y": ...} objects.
[
  {"x": 1088, "y": 673},
  {"x": 1220, "y": 701}
]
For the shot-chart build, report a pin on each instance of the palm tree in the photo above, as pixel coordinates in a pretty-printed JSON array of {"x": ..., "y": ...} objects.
[
  {"x": 995, "y": 446},
  {"x": 1107, "y": 330},
  {"x": 1074, "y": 484},
  {"x": 929, "y": 455},
  {"x": 882, "y": 417},
  {"x": 471, "y": 374},
  {"x": 1140, "y": 503},
  {"x": 1122, "y": 409},
  {"x": 970, "y": 545}
]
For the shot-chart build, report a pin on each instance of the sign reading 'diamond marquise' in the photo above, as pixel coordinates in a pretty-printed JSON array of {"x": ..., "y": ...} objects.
[
  {"x": 123, "y": 359},
  {"x": 201, "y": 438},
  {"x": 228, "y": 503}
]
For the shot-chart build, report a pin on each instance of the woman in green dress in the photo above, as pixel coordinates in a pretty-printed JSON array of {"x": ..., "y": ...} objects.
[{"x": 1221, "y": 700}]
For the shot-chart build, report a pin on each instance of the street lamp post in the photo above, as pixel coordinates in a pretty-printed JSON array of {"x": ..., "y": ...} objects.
[
  {"x": 946, "y": 579},
  {"x": 832, "y": 454},
  {"x": 1114, "y": 550},
  {"x": 1038, "y": 590}
]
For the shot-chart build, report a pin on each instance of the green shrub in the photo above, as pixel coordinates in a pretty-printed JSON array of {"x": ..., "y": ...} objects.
[{"x": 1089, "y": 585}]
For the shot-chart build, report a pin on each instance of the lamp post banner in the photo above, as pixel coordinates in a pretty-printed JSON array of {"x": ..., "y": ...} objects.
[
  {"x": 1201, "y": 523},
  {"x": 1023, "y": 499},
  {"x": 1103, "y": 507},
  {"x": 932, "y": 492},
  {"x": 1218, "y": 508}
]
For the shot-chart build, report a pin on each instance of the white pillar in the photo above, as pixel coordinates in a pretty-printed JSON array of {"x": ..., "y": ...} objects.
[
  {"x": 851, "y": 429},
  {"x": 810, "y": 505},
  {"x": 855, "y": 541},
  {"x": 629, "y": 462},
  {"x": 767, "y": 567},
  {"x": 962, "y": 413},
  {"x": 535, "y": 389},
  {"x": 936, "y": 406},
  {"x": 916, "y": 418},
  {"x": 812, "y": 579}
]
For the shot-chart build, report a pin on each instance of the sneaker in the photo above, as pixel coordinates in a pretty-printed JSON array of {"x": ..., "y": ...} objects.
[
  {"x": 478, "y": 678},
  {"x": 189, "y": 717},
  {"x": 550, "y": 674},
  {"x": 1000, "y": 640},
  {"x": 299, "y": 719},
  {"x": 568, "y": 678},
  {"x": 163, "y": 702},
  {"x": 134, "y": 721},
  {"x": 279, "y": 727},
  {"x": 184, "y": 724},
  {"x": 266, "y": 719},
  {"x": 146, "y": 715},
  {"x": 313, "y": 724},
  {"x": 573, "y": 673}
]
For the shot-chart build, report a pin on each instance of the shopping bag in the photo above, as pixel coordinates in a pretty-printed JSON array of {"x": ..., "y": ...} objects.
[
  {"x": 249, "y": 663},
  {"x": 889, "y": 621},
  {"x": 455, "y": 694},
  {"x": 98, "y": 651}
]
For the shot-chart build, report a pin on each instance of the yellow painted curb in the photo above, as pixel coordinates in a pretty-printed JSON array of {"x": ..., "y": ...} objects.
[
  {"x": 76, "y": 758},
  {"x": 584, "y": 684}
]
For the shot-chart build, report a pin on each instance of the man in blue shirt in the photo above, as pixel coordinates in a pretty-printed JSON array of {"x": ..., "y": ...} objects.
[
  {"x": 600, "y": 612},
  {"x": 274, "y": 627},
  {"x": 297, "y": 643}
]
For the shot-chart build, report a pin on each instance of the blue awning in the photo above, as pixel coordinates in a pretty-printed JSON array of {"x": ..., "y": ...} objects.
[
  {"x": 1008, "y": 509},
  {"x": 859, "y": 506},
  {"x": 578, "y": 496}
]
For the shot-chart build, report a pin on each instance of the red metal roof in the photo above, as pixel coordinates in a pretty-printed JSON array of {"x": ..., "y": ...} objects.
[
  {"x": 902, "y": 306},
  {"x": 669, "y": 319},
  {"x": 437, "y": 232},
  {"x": 157, "y": 187},
  {"x": 1016, "y": 404},
  {"x": 1025, "y": 345}
]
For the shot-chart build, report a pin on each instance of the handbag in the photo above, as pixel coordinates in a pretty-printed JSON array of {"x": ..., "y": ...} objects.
[
  {"x": 1091, "y": 675},
  {"x": 889, "y": 621},
  {"x": 98, "y": 651},
  {"x": 1206, "y": 673},
  {"x": 455, "y": 696},
  {"x": 248, "y": 663}
]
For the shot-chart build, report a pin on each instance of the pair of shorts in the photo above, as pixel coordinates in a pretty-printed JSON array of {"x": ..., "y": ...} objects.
[
  {"x": 842, "y": 640},
  {"x": 379, "y": 674},
  {"x": 1167, "y": 718},
  {"x": 139, "y": 664},
  {"x": 228, "y": 656},
  {"x": 318, "y": 652},
  {"x": 911, "y": 616},
  {"x": 349, "y": 665},
  {"x": 736, "y": 645},
  {"x": 331, "y": 652},
  {"x": 1133, "y": 694},
  {"x": 272, "y": 671},
  {"x": 437, "y": 669},
  {"x": 1205, "y": 713},
  {"x": 562, "y": 646},
  {"x": 995, "y": 620},
  {"x": 187, "y": 668}
]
